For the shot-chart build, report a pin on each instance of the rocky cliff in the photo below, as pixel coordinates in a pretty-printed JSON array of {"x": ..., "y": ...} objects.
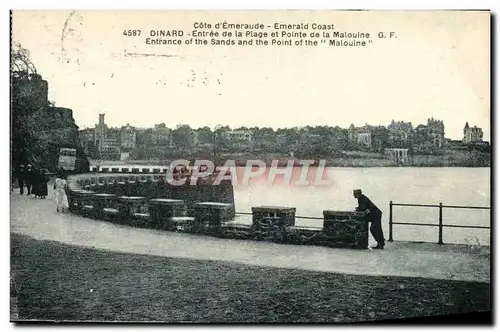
[{"x": 39, "y": 130}]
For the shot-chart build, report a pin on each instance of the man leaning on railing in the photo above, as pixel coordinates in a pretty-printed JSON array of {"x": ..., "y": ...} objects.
[{"x": 375, "y": 216}]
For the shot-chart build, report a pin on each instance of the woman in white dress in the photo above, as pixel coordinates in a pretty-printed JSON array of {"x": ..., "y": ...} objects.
[{"x": 60, "y": 194}]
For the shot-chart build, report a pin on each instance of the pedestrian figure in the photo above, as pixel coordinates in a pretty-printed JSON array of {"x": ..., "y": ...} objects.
[
  {"x": 40, "y": 185},
  {"x": 374, "y": 215},
  {"x": 29, "y": 178},
  {"x": 34, "y": 182},
  {"x": 60, "y": 193},
  {"x": 21, "y": 178}
]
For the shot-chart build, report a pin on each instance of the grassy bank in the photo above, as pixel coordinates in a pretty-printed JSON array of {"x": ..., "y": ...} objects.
[{"x": 57, "y": 282}]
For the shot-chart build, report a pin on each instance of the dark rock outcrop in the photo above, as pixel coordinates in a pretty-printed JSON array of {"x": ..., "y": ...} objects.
[{"x": 39, "y": 130}]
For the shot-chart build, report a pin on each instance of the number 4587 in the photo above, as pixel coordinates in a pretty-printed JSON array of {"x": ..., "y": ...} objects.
[{"x": 131, "y": 32}]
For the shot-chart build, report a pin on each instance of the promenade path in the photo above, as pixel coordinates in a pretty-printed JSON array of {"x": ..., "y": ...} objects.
[{"x": 38, "y": 219}]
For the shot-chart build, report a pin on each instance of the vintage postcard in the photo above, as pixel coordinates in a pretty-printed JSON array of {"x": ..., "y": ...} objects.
[{"x": 250, "y": 166}]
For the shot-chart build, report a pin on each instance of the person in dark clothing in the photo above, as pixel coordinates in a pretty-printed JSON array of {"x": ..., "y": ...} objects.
[
  {"x": 29, "y": 178},
  {"x": 40, "y": 186},
  {"x": 45, "y": 189},
  {"x": 375, "y": 216},
  {"x": 21, "y": 179},
  {"x": 36, "y": 183}
]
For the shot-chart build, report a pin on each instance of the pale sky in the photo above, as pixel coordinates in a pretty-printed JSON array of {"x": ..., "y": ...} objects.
[{"x": 439, "y": 66}]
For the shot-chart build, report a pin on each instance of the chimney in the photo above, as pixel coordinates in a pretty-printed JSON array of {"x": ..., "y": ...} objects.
[{"x": 101, "y": 119}]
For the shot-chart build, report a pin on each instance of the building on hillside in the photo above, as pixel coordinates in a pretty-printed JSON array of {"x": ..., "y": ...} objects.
[
  {"x": 400, "y": 134},
  {"x": 110, "y": 142},
  {"x": 239, "y": 138},
  {"x": 107, "y": 140},
  {"x": 472, "y": 134},
  {"x": 429, "y": 137},
  {"x": 110, "y": 149},
  {"x": 352, "y": 134},
  {"x": 360, "y": 137},
  {"x": 435, "y": 130},
  {"x": 161, "y": 135},
  {"x": 364, "y": 140},
  {"x": 100, "y": 133},
  {"x": 127, "y": 138}
]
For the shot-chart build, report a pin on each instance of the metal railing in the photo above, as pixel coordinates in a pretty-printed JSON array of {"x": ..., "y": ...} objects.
[{"x": 440, "y": 224}]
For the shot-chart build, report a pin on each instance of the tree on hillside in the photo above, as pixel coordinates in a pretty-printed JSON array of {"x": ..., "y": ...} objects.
[
  {"x": 205, "y": 135},
  {"x": 21, "y": 65},
  {"x": 22, "y": 102},
  {"x": 380, "y": 139},
  {"x": 184, "y": 137}
]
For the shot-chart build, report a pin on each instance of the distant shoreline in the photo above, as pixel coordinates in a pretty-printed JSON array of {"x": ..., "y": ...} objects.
[{"x": 418, "y": 161}]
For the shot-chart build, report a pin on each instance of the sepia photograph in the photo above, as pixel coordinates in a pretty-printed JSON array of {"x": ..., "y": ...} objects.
[{"x": 250, "y": 166}]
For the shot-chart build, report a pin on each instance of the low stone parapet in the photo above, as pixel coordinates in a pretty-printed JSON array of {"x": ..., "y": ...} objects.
[
  {"x": 182, "y": 224},
  {"x": 146, "y": 200},
  {"x": 236, "y": 230},
  {"x": 345, "y": 228},
  {"x": 163, "y": 209},
  {"x": 104, "y": 201},
  {"x": 134, "y": 210},
  {"x": 210, "y": 215}
]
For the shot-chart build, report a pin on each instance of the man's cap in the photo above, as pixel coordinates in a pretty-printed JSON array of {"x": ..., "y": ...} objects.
[{"x": 357, "y": 191}]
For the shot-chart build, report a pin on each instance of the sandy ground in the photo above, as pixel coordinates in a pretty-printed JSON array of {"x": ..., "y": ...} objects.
[{"x": 38, "y": 219}]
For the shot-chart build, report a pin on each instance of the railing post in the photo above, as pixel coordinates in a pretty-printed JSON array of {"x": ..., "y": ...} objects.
[
  {"x": 440, "y": 240},
  {"x": 390, "y": 221}
]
